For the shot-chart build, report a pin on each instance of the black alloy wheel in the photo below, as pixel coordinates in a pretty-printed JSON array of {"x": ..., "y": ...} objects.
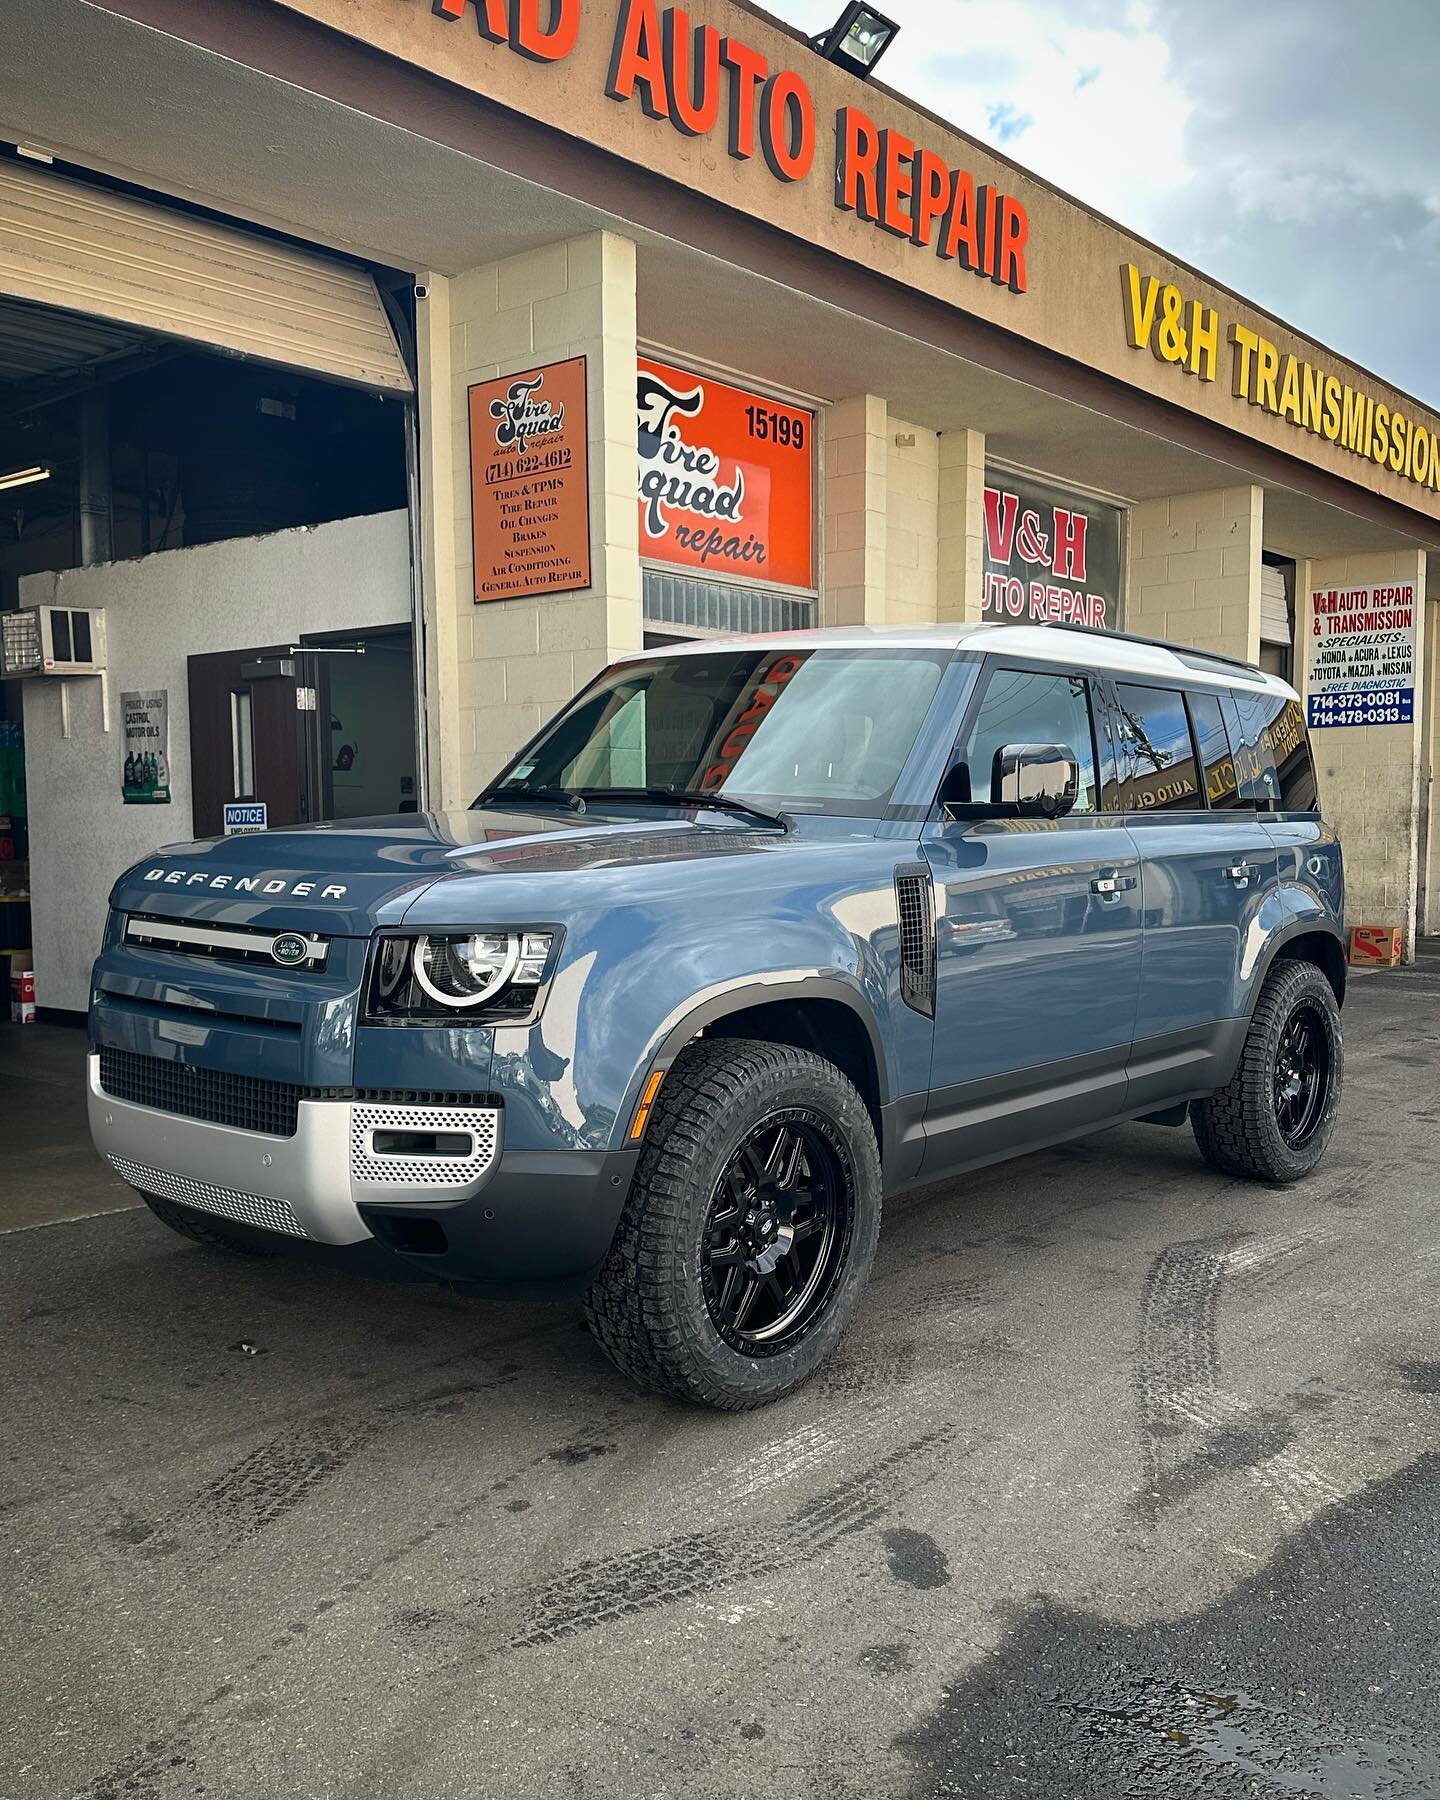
[
  {"x": 749, "y": 1229},
  {"x": 776, "y": 1234},
  {"x": 1273, "y": 1118},
  {"x": 1302, "y": 1075}
]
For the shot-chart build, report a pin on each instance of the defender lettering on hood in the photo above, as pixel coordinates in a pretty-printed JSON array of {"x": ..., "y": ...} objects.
[{"x": 244, "y": 884}]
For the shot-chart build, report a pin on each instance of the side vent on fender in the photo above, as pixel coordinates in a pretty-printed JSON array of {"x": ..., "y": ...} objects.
[{"x": 915, "y": 898}]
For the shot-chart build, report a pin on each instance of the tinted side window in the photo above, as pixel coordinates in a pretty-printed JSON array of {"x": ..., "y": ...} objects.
[
  {"x": 1254, "y": 758},
  {"x": 1221, "y": 784},
  {"x": 1290, "y": 748},
  {"x": 1024, "y": 707},
  {"x": 1154, "y": 755}
]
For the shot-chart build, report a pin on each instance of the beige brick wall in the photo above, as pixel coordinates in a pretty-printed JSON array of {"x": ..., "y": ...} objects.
[
  {"x": 497, "y": 670},
  {"x": 1195, "y": 570},
  {"x": 855, "y": 510},
  {"x": 960, "y": 552},
  {"x": 1370, "y": 775},
  {"x": 912, "y": 515}
]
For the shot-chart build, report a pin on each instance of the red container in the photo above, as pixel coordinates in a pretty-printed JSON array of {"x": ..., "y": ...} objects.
[{"x": 22, "y": 996}]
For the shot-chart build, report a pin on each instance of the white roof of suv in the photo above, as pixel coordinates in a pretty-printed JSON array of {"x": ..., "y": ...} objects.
[{"x": 1111, "y": 651}]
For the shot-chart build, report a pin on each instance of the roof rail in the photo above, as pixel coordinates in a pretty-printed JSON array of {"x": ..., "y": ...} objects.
[{"x": 1195, "y": 658}]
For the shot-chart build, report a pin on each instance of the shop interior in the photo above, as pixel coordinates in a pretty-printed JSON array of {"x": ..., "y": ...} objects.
[{"x": 120, "y": 444}]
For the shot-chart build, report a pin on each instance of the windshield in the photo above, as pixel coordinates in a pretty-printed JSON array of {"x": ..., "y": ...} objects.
[{"x": 807, "y": 730}]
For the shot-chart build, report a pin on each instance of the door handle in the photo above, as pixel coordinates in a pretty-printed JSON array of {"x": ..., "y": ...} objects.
[
  {"x": 1239, "y": 873},
  {"x": 1112, "y": 883}
]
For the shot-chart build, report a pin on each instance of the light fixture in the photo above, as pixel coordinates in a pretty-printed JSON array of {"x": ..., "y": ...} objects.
[
  {"x": 23, "y": 477},
  {"x": 857, "y": 40}
]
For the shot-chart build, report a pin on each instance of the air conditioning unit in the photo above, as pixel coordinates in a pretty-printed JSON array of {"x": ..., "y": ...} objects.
[{"x": 52, "y": 640}]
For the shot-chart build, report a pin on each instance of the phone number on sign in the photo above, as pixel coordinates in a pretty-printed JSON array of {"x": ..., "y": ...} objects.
[{"x": 1383, "y": 706}]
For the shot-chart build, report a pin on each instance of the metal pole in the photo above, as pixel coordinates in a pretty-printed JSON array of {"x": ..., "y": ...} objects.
[
  {"x": 413, "y": 499},
  {"x": 96, "y": 514}
]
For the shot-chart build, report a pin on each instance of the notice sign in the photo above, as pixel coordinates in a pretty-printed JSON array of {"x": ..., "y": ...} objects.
[
  {"x": 1051, "y": 557},
  {"x": 1362, "y": 655},
  {"x": 727, "y": 479},
  {"x": 145, "y": 780},
  {"x": 245, "y": 815},
  {"x": 530, "y": 482}
]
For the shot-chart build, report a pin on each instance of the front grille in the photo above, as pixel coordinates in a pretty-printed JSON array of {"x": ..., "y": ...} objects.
[
  {"x": 225, "y": 943},
  {"x": 246, "y": 1102},
  {"x": 226, "y": 1203}
]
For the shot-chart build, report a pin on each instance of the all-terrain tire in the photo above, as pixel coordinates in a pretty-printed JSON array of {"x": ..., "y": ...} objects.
[
  {"x": 647, "y": 1306},
  {"x": 1238, "y": 1130},
  {"x": 213, "y": 1233}
]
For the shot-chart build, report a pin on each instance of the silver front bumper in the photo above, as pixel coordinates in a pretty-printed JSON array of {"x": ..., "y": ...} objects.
[{"x": 308, "y": 1186}]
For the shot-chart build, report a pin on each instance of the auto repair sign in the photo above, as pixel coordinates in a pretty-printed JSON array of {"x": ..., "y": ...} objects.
[
  {"x": 1051, "y": 557},
  {"x": 726, "y": 479},
  {"x": 1362, "y": 655}
]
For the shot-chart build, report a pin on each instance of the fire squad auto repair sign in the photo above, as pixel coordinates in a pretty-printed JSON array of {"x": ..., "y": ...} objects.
[
  {"x": 530, "y": 482},
  {"x": 1051, "y": 557},
  {"x": 1362, "y": 655},
  {"x": 727, "y": 479}
]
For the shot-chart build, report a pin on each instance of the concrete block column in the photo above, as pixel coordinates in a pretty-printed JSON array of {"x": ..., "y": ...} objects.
[
  {"x": 1372, "y": 776},
  {"x": 1428, "y": 919},
  {"x": 961, "y": 546},
  {"x": 912, "y": 500},
  {"x": 1195, "y": 570},
  {"x": 855, "y": 508},
  {"x": 496, "y": 671}
]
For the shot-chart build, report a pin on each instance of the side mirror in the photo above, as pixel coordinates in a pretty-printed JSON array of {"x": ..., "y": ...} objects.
[{"x": 1035, "y": 781}]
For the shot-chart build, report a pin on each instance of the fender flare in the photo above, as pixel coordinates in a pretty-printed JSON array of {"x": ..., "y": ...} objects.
[
  {"x": 1292, "y": 929},
  {"x": 720, "y": 1003}
]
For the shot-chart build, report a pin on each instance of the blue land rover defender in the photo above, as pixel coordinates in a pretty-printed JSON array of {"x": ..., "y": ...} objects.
[{"x": 754, "y": 933}]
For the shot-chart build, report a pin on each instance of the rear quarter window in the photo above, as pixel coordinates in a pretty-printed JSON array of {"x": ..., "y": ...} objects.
[{"x": 1155, "y": 758}]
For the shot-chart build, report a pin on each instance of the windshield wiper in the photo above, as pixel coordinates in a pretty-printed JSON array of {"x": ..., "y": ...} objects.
[
  {"x": 675, "y": 796},
  {"x": 552, "y": 796}
]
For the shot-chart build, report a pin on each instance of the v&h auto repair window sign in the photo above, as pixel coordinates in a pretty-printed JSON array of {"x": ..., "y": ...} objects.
[
  {"x": 727, "y": 479},
  {"x": 1051, "y": 557}
]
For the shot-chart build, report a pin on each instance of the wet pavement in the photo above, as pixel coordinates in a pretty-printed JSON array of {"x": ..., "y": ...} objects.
[{"x": 1126, "y": 1484}]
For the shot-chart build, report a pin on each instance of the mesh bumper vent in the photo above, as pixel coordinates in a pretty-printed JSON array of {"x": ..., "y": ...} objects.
[
  {"x": 399, "y": 1170},
  {"x": 246, "y": 1102},
  {"x": 224, "y": 1203}
]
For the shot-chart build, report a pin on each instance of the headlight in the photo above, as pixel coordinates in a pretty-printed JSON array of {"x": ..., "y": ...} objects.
[{"x": 492, "y": 977}]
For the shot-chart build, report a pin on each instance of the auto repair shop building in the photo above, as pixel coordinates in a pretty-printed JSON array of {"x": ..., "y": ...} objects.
[{"x": 618, "y": 322}]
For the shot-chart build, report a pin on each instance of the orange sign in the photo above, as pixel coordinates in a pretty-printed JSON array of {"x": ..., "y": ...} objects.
[
  {"x": 727, "y": 479},
  {"x": 530, "y": 482}
]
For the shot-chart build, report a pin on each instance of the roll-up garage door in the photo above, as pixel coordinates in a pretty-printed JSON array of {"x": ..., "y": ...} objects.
[{"x": 92, "y": 251}]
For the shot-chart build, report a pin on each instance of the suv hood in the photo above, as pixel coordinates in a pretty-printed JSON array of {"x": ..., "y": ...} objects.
[{"x": 343, "y": 879}]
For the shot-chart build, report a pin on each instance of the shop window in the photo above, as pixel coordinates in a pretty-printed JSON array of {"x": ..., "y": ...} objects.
[
  {"x": 1052, "y": 556},
  {"x": 1154, "y": 753},
  {"x": 727, "y": 505},
  {"x": 684, "y": 606}
]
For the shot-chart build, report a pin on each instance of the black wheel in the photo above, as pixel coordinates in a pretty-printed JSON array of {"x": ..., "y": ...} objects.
[
  {"x": 750, "y": 1227},
  {"x": 1273, "y": 1121},
  {"x": 215, "y": 1234}
]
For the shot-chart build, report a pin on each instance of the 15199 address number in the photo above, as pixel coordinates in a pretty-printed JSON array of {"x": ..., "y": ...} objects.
[{"x": 768, "y": 425}]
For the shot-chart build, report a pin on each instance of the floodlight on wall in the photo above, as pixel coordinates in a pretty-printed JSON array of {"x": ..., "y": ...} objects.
[
  {"x": 857, "y": 40},
  {"x": 23, "y": 477}
]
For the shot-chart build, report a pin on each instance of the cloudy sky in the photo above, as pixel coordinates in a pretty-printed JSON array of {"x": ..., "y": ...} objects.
[{"x": 1290, "y": 148}]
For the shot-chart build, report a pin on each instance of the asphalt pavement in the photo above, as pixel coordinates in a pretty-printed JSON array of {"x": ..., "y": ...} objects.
[{"x": 1126, "y": 1484}]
